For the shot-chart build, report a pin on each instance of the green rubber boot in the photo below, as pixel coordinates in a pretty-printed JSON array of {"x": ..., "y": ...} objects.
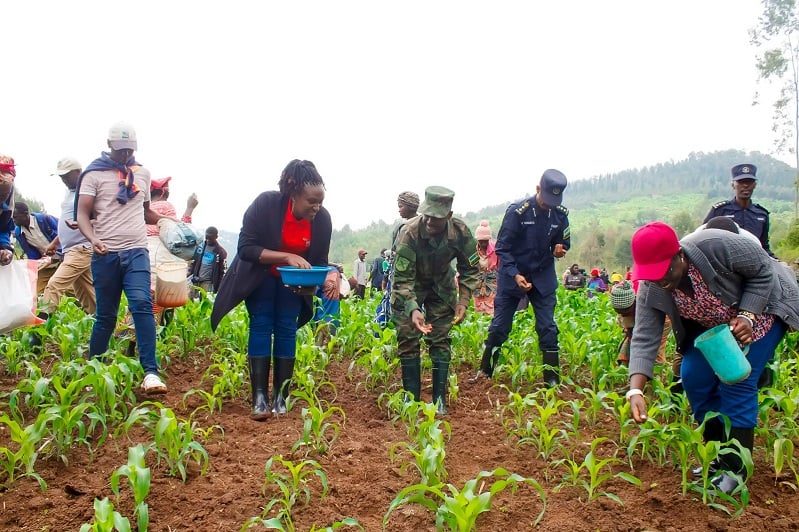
[
  {"x": 411, "y": 377},
  {"x": 440, "y": 375}
]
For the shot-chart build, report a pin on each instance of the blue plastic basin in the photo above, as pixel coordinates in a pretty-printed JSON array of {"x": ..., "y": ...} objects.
[{"x": 314, "y": 276}]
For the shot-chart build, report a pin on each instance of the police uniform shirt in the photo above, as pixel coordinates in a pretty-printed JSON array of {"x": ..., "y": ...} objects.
[
  {"x": 527, "y": 239},
  {"x": 754, "y": 219}
]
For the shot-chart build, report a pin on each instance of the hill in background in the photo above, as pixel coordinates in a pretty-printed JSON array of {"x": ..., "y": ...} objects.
[{"x": 605, "y": 210}]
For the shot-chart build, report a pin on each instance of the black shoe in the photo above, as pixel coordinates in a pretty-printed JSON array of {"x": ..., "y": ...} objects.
[
  {"x": 35, "y": 342},
  {"x": 766, "y": 379},
  {"x": 551, "y": 378},
  {"x": 711, "y": 470},
  {"x": 551, "y": 369}
]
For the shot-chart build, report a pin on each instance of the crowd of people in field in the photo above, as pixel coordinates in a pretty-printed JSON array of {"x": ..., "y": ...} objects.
[
  {"x": 106, "y": 241},
  {"x": 722, "y": 277}
]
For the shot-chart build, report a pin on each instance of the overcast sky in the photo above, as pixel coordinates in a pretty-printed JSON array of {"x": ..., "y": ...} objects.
[{"x": 481, "y": 97}]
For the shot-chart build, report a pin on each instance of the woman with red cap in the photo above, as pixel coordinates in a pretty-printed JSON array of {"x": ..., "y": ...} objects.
[
  {"x": 596, "y": 283},
  {"x": 709, "y": 278}
]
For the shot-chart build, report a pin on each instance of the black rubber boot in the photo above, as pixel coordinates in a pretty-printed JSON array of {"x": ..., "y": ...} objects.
[
  {"x": 714, "y": 431},
  {"x": 35, "y": 341},
  {"x": 284, "y": 369},
  {"x": 259, "y": 385},
  {"x": 676, "y": 386},
  {"x": 440, "y": 374},
  {"x": 551, "y": 368},
  {"x": 412, "y": 377},
  {"x": 732, "y": 463},
  {"x": 487, "y": 364},
  {"x": 766, "y": 379}
]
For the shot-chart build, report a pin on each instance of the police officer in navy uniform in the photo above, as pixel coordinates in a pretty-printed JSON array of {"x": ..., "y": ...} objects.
[
  {"x": 533, "y": 233},
  {"x": 748, "y": 215}
]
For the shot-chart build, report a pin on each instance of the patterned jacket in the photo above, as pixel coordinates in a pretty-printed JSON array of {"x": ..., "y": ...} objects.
[{"x": 736, "y": 270}]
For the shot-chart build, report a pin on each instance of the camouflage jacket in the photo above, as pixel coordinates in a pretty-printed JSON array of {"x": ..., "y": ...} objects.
[{"x": 423, "y": 265}]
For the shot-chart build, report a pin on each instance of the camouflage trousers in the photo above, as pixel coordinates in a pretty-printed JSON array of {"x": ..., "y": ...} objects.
[{"x": 437, "y": 313}]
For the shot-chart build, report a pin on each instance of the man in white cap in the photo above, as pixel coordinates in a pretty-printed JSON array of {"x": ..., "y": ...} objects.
[
  {"x": 112, "y": 208},
  {"x": 75, "y": 274}
]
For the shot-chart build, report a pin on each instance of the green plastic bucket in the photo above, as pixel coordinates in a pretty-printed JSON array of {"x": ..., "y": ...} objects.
[{"x": 722, "y": 352}]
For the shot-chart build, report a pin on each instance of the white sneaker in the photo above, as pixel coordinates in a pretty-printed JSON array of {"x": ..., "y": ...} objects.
[{"x": 152, "y": 384}]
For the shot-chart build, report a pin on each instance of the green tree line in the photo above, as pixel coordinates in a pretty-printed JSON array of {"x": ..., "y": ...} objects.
[{"x": 605, "y": 210}]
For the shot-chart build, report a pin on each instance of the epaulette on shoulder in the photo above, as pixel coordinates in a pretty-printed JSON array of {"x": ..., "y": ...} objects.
[
  {"x": 523, "y": 207},
  {"x": 722, "y": 203},
  {"x": 759, "y": 206},
  {"x": 563, "y": 210}
]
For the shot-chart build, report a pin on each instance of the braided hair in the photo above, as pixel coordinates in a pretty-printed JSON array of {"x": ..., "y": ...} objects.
[{"x": 297, "y": 175}]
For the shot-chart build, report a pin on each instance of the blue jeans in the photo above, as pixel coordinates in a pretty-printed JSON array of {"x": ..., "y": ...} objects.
[
  {"x": 507, "y": 301},
  {"x": 706, "y": 393},
  {"x": 114, "y": 272},
  {"x": 327, "y": 310},
  {"x": 273, "y": 311}
]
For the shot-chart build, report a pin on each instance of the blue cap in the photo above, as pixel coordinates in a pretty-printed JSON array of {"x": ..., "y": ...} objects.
[
  {"x": 552, "y": 184},
  {"x": 744, "y": 171}
]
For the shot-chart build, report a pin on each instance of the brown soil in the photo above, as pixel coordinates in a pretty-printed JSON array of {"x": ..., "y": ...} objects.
[{"x": 363, "y": 481}]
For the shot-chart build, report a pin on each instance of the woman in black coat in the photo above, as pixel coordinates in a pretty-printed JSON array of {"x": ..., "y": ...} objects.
[{"x": 284, "y": 227}]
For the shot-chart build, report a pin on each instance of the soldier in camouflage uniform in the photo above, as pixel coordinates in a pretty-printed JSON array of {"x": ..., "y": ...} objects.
[{"x": 425, "y": 298}]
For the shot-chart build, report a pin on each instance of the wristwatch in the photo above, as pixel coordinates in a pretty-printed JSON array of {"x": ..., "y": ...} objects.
[{"x": 747, "y": 314}]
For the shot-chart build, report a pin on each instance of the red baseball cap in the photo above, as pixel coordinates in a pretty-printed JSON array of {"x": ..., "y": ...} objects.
[
  {"x": 159, "y": 184},
  {"x": 653, "y": 247}
]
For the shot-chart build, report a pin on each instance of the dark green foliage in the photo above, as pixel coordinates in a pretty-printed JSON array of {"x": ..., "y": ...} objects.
[{"x": 606, "y": 209}]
